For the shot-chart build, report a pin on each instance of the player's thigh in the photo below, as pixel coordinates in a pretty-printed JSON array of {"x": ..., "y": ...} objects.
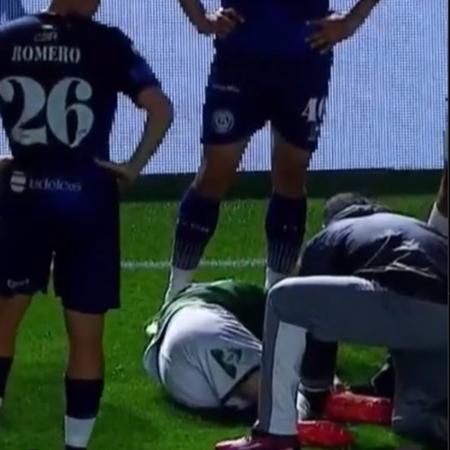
[
  {"x": 298, "y": 102},
  {"x": 25, "y": 233},
  {"x": 12, "y": 311},
  {"x": 218, "y": 169},
  {"x": 233, "y": 111},
  {"x": 87, "y": 263},
  {"x": 357, "y": 311}
]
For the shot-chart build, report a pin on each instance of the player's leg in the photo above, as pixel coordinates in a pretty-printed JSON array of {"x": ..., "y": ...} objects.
[
  {"x": 230, "y": 117},
  {"x": 324, "y": 306},
  {"x": 198, "y": 212},
  {"x": 297, "y": 113},
  {"x": 422, "y": 395},
  {"x": 87, "y": 279},
  {"x": 84, "y": 377},
  {"x": 287, "y": 209},
  {"x": 12, "y": 311},
  {"x": 439, "y": 214},
  {"x": 24, "y": 261}
]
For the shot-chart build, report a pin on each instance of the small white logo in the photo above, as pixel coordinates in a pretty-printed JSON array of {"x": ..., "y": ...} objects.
[
  {"x": 12, "y": 284},
  {"x": 18, "y": 182},
  {"x": 223, "y": 121},
  {"x": 54, "y": 185}
]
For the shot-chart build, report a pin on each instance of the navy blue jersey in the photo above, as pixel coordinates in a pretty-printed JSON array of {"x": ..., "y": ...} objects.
[
  {"x": 59, "y": 82},
  {"x": 272, "y": 28},
  {"x": 398, "y": 252}
]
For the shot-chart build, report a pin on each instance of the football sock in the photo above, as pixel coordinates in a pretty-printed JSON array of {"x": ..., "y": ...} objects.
[
  {"x": 285, "y": 229},
  {"x": 5, "y": 368},
  {"x": 197, "y": 222},
  {"x": 82, "y": 406},
  {"x": 438, "y": 221}
]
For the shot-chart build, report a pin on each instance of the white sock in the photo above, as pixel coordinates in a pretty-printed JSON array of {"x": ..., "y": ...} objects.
[
  {"x": 272, "y": 278},
  {"x": 179, "y": 280},
  {"x": 438, "y": 221},
  {"x": 78, "y": 432}
]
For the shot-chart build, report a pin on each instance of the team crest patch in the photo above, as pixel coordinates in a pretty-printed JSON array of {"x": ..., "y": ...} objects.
[
  {"x": 223, "y": 121},
  {"x": 228, "y": 360}
]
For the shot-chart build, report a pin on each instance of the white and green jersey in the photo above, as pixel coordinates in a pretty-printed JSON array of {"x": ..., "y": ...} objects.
[{"x": 245, "y": 301}]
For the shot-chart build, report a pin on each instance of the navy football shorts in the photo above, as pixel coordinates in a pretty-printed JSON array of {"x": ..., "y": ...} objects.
[
  {"x": 70, "y": 217},
  {"x": 243, "y": 95}
]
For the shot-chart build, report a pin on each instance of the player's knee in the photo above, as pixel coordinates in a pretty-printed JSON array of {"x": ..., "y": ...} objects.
[
  {"x": 292, "y": 294},
  {"x": 280, "y": 298}
]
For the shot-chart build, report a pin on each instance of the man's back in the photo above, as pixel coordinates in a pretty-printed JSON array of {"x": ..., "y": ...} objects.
[
  {"x": 59, "y": 79},
  {"x": 399, "y": 252}
]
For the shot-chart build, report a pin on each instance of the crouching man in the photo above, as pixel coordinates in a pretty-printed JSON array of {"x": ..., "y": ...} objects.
[{"x": 369, "y": 278}]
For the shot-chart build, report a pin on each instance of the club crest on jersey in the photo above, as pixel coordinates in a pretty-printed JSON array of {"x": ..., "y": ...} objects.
[{"x": 223, "y": 121}]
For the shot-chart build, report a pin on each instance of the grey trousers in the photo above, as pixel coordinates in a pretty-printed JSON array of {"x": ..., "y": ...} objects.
[{"x": 356, "y": 311}]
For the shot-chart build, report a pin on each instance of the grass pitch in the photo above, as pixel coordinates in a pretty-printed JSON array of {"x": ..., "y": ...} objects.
[{"x": 136, "y": 415}]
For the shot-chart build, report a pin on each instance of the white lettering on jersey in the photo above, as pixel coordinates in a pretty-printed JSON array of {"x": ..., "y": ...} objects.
[
  {"x": 57, "y": 110},
  {"x": 46, "y": 53}
]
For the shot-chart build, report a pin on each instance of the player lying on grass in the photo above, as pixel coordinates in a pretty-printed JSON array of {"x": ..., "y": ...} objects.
[
  {"x": 205, "y": 349},
  {"x": 271, "y": 65},
  {"x": 371, "y": 278},
  {"x": 60, "y": 75},
  {"x": 205, "y": 345}
]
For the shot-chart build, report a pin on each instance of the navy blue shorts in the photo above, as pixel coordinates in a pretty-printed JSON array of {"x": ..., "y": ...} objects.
[
  {"x": 243, "y": 95},
  {"x": 70, "y": 216}
]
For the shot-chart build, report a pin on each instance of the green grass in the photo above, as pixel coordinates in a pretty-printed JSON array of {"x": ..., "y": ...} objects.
[{"x": 136, "y": 415}]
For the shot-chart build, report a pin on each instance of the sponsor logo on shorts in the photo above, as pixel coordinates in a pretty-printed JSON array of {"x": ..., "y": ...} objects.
[
  {"x": 228, "y": 359},
  {"x": 223, "y": 121},
  {"x": 19, "y": 183},
  {"x": 13, "y": 284},
  {"x": 224, "y": 88}
]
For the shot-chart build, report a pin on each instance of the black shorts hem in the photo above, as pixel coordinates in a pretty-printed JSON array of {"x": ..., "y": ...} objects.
[{"x": 238, "y": 382}]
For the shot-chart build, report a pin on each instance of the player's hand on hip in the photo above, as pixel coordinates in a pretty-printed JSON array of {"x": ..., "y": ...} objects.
[
  {"x": 330, "y": 31},
  {"x": 221, "y": 23},
  {"x": 125, "y": 173}
]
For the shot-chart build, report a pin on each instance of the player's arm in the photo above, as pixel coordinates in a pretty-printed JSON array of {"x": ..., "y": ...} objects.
[
  {"x": 336, "y": 28},
  {"x": 319, "y": 256},
  {"x": 221, "y": 23},
  {"x": 137, "y": 81},
  {"x": 159, "y": 119}
]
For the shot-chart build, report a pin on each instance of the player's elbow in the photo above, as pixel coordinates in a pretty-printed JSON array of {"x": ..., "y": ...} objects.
[{"x": 158, "y": 106}]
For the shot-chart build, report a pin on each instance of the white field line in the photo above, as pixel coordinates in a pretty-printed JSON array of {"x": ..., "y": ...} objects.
[{"x": 208, "y": 263}]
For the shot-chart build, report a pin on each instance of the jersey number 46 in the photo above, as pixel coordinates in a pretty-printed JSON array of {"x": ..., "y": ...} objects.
[{"x": 57, "y": 110}]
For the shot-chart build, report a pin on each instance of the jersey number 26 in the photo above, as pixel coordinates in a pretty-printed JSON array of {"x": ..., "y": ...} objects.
[{"x": 56, "y": 108}]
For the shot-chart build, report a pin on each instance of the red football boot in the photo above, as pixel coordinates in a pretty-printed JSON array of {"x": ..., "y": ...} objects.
[
  {"x": 349, "y": 407},
  {"x": 323, "y": 434},
  {"x": 266, "y": 442}
]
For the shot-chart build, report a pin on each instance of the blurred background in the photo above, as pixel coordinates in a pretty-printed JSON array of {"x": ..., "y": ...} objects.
[{"x": 388, "y": 89}]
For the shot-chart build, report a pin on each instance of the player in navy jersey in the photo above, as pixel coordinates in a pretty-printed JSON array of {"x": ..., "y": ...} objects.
[
  {"x": 272, "y": 64},
  {"x": 60, "y": 76}
]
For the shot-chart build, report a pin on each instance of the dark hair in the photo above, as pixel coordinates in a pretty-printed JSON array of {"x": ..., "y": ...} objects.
[{"x": 349, "y": 204}]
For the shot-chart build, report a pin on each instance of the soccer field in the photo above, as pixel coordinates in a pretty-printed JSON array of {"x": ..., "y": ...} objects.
[{"x": 136, "y": 415}]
